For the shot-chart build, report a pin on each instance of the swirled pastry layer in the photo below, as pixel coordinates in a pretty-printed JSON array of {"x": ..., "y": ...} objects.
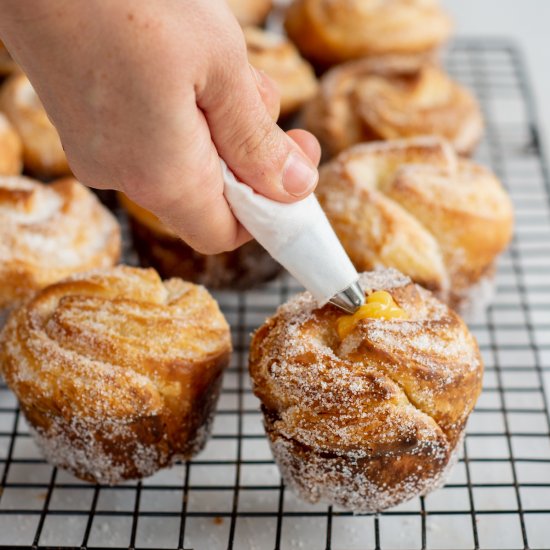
[
  {"x": 372, "y": 419},
  {"x": 42, "y": 150},
  {"x": 328, "y": 32},
  {"x": 279, "y": 59},
  {"x": 117, "y": 372},
  {"x": 390, "y": 98},
  {"x": 48, "y": 232},
  {"x": 416, "y": 206}
]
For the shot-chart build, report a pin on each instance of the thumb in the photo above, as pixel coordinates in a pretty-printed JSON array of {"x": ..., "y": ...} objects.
[{"x": 254, "y": 147}]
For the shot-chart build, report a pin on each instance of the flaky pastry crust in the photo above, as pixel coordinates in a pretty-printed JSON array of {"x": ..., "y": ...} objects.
[
  {"x": 48, "y": 232},
  {"x": 375, "y": 99},
  {"x": 250, "y": 12},
  {"x": 374, "y": 419},
  {"x": 281, "y": 61},
  {"x": 416, "y": 206},
  {"x": 43, "y": 153},
  {"x": 157, "y": 246},
  {"x": 328, "y": 32},
  {"x": 117, "y": 372},
  {"x": 11, "y": 149}
]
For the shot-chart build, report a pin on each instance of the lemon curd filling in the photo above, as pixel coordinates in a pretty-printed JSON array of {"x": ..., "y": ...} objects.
[{"x": 379, "y": 305}]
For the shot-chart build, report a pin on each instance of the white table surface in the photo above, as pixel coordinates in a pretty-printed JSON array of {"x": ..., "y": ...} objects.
[{"x": 527, "y": 22}]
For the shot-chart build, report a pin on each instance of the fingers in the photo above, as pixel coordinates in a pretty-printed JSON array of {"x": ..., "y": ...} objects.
[
  {"x": 193, "y": 205},
  {"x": 254, "y": 147},
  {"x": 188, "y": 198},
  {"x": 308, "y": 143},
  {"x": 269, "y": 93}
]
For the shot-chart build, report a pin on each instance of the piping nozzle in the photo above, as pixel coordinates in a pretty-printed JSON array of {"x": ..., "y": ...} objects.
[{"x": 350, "y": 299}]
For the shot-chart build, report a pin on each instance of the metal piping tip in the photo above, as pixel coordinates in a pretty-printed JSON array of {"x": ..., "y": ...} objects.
[{"x": 350, "y": 299}]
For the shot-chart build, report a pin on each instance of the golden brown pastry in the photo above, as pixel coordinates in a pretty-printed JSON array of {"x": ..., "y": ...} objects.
[
  {"x": 11, "y": 149},
  {"x": 328, "y": 32},
  {"x": 157, "y": 246},
  {"x": 373, "y": 416},
  {"x": 7, "y": 64},
  {"x": 280, "y": 60},
  {"x": 389, "y": 98},
  {"x": 48, "y": 232},
  {"x": 42, "y": 150},
  {"x": 250, "y": 12},
  {"x": 416, "y": 206},
  {"x": 117, "y": 372}
]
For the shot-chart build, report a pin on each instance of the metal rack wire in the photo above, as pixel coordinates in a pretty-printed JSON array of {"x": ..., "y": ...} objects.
[{"x": 231, "y": 496}]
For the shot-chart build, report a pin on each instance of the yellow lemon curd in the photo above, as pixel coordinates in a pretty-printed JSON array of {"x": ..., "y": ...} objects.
[{"x": 379, "y": 305}]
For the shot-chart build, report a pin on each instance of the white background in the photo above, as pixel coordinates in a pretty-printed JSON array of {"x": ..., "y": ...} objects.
[{"x": 528, "y": 23}]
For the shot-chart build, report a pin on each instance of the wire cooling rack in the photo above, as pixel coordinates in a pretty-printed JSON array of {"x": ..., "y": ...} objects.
[{"x": 231, "y": 496}]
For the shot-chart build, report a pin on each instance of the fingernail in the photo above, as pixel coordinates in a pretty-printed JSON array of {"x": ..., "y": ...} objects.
[{"x": 299, "y": 176}]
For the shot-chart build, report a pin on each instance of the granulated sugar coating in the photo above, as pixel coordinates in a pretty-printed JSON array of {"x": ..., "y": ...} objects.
[
  {"x": 117, "y": 372},
  {"x": 48, "y": 232},
  {"x": 374, "y": 419}
]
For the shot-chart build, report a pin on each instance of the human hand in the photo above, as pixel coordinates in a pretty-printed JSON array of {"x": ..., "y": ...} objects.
[{"x": 146, "y": 95}]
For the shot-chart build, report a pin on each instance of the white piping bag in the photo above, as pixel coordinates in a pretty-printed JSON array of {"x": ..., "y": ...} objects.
[{"x": 300, "y": 237}]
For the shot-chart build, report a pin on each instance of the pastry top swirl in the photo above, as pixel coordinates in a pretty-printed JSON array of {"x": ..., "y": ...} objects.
[
  {"x": 48, "y": 232},
  {"x": 114, "y": 345},
  {"x": 416, "y": 206},
  {"x": 389, "y": 382},
  {"x": 392, "y": 98},
  {"x": 331, "y": 31}
]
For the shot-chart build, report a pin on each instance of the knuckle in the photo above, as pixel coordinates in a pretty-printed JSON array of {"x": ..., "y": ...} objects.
[
  {"x": 223, "y": 74},
  {"x": 258, "y": 139}
]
